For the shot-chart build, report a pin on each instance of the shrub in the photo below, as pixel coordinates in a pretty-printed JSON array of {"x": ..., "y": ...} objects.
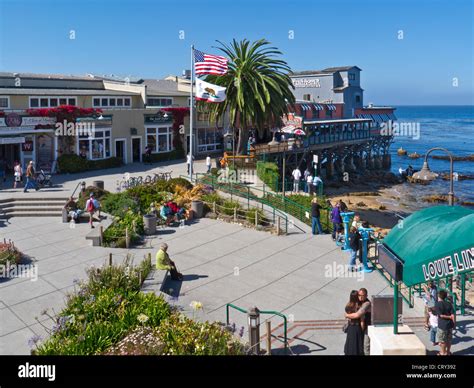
[
  {"x": 115, "y": 234},
  {"x": 173, "y": 182},
  {"x": 72, "y": 163},
  {"x": 269, "y": 173},
  {"x": 183, "y": 336},
  {"x": 99, "y": 194},
  {"x": 118, "y": 204},
  {"x": 165, "y": 156},
  {"x": 9, "y": 254},
  {"x": 144, "y": 195},
  {"x": 250, "y": 216},
  {"x": 104, "y": 310},
  {"x": 228, "y": 207}
]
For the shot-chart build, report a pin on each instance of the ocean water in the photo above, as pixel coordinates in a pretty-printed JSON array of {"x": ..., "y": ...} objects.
[{"x": 451, "y": 127}]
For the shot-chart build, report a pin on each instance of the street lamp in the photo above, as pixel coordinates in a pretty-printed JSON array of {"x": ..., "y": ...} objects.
[
  {"x": 425, "y": 174},
  {"x": 254, "y": 329}
]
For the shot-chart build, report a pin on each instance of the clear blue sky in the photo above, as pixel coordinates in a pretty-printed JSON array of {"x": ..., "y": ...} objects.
[{"x": 141, "y": 38}]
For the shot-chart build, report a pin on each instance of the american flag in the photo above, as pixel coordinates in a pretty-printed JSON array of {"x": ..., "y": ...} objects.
[{"x": 209, "y": 64}]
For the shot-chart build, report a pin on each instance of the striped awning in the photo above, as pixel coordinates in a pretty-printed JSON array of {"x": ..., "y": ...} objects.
[
  {"x": 318, "y": 107},
  {"x": 331, "y": 107}
]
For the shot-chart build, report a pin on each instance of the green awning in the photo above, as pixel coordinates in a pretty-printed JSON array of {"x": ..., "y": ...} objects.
[{"x": 434, "y": 243}]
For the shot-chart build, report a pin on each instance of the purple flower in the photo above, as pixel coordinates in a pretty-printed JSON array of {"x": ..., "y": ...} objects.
[
  {"x": 241, "y": 332},
  {"x": 33, "y": 340}
]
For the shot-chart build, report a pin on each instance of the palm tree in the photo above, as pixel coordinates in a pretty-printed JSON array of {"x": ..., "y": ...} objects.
[{"x": 258, "y": 88}]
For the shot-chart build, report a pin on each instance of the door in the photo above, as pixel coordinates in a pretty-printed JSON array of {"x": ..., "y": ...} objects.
[
  {"x": 120, "y": 150},
  {"x": 136, "y": 149}
]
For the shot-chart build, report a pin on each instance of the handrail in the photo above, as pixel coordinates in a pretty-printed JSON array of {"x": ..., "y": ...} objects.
[
  {"x": 74, "y": 192},
  {"x": 272, "y": 312},
  {"x": 230, "y": 189}
]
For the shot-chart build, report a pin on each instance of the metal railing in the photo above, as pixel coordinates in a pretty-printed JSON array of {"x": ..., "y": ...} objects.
[
  {"x": 241, "y": 191},
  {"x": 271, "y": 312},
  {"x": 268, "y": 198}
]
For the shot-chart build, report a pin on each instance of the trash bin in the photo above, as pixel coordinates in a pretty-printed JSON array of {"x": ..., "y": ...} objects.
[
  {"x": 149, "y": 222},
  {"x": 98, "y": 184},
  {"x": 197, "y": 208}
]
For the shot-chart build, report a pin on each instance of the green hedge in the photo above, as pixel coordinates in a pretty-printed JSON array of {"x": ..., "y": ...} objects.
[
  {"x": 73, "y": 163},
  {"x": 268, "y": 172},
  {"x": 163, "y": 156}
]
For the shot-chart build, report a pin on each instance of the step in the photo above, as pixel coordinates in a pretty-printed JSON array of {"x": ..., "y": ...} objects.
[
  {"x": 34, "y": 199},
  {"x": 33, "y": 204},
  {"x": 28, "y": 214},
  {"x": 40, "y": 209}
]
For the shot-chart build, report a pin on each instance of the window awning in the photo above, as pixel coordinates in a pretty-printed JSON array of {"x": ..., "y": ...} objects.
[{"x": 434, "y": 243}]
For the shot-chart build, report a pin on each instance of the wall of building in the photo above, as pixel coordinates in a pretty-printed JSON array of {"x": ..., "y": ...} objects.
[{"x": 318, "y": 94}]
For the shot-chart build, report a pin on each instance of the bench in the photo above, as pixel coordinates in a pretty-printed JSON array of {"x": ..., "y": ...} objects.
[
  {"x": 155, "y": 281},
  {"x": 94, "y": 234}
]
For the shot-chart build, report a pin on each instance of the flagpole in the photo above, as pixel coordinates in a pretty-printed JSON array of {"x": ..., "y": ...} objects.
[{"x": 191, "y": 116}]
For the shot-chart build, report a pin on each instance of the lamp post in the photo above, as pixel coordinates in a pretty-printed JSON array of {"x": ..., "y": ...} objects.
[
  {"x": 254, "y": 329},
  {"x": 228, "y": 134},
  {"x": 425, "y": 174}
]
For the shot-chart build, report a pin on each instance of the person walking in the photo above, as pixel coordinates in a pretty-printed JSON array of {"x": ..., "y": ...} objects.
[
  {"x": 446, "y": 323},
  {"x": 296, "y": 179},
  {"x": 315, "y": 216},
  {"x": 354, "y": 345},
  {"x": 433, "y": 322},
  {"x": 208, "y": 164},
  {"x": 307, "y": 172},
  {"x": 17, "y": 174},
  {"x": 336, "y": 222},
  {"x": 90, "y": 208},
  {"x": 189, "y": 159},
  {"x": 354, "y": 241},
  {"x": 30, "y": 178},
  {"x": 430, "y": 297},
  {"x": 365, "y": 313},
  {"x": 316, "y": 182},
  {"x": 164, "y": 262},
  {"x": 309, "y": 184}
]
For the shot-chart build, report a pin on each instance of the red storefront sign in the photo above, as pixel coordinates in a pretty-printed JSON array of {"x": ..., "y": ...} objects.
[{"x": 27, "y": 146}]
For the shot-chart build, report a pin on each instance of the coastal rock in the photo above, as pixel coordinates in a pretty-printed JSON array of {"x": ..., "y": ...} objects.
[{"x": 415, "y": 155}]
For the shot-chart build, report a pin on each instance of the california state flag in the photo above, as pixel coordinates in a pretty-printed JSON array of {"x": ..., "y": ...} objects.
[{"x": 209, "y": 92}]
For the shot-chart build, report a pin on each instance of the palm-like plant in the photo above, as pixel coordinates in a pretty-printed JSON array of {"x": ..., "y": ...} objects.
[{"x": 258, "y": 88}]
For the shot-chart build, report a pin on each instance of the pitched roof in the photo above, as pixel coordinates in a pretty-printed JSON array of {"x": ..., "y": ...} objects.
[{"x": 340, "y": 68}]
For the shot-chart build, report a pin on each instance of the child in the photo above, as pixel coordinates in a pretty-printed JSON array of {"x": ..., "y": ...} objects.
[{"x": 433, "y": 320}]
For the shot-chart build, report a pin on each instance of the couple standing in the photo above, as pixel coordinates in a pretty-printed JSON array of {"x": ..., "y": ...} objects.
[{"x": 359, "y": 318}]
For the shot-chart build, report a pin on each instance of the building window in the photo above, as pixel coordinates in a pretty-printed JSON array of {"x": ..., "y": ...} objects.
[
  {"x": 4, "y": 102},
  {"x": 209, "y": 140},
  {"x": 51, "y": 102},
  {"x": 159, "y": 102},
  {"x": 352, "y": 77},
  {"x": 111, "y": 102},
  {"x": 96, "y": 147},
  {"x": 357, "y": 98},
  {"x": 328, "y": 113},
  {"x": 159, "y": 139},
  {"x": 307, "y": 97}
]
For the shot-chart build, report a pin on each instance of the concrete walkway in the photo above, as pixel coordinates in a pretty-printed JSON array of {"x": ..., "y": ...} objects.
[{"x": 222, "y": 263}]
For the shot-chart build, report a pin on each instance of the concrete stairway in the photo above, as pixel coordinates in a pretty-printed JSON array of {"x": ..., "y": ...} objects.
[{"x": 32, "y": 207}]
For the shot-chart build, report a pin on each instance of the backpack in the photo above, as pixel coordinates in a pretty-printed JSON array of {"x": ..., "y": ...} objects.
[{"x": 90, "y": 205}]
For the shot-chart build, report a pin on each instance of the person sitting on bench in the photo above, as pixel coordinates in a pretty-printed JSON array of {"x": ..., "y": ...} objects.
[
  {"x": 72, "y": 209},
  {"x": 164, "y": 262},
  {"x": 166, "y": 214}
]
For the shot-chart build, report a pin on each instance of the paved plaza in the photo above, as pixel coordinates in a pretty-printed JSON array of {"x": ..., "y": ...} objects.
[{"x": 221, "y": 262}]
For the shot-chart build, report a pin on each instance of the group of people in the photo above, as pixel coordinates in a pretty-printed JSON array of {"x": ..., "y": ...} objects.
[
  {"x": 440, "y": 318},
  {"x": 18, "y": 175},
  {"x": 311, "y": 183},
  {"x": 170, "y": 212},
  {"x": 92, "y": 206}
]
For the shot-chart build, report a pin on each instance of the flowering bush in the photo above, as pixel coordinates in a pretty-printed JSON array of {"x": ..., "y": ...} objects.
[
  {"x": 183, "y": 336},
  {"x": 9, "y": 254},
  {"x": 103, "y": 310}
]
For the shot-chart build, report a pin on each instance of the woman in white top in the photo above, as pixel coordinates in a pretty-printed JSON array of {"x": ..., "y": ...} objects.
[{"x": 17, "y": 173}]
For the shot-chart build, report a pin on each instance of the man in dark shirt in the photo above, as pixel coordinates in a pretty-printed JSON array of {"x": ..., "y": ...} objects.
[
  {"x": 365, "y": 312},
  {"x": 446, "y": 322},
  {"x": 315, "y": 214}
]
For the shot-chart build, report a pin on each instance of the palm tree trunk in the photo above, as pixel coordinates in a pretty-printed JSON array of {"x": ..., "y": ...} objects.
[{"x": 243, "y": 140}]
